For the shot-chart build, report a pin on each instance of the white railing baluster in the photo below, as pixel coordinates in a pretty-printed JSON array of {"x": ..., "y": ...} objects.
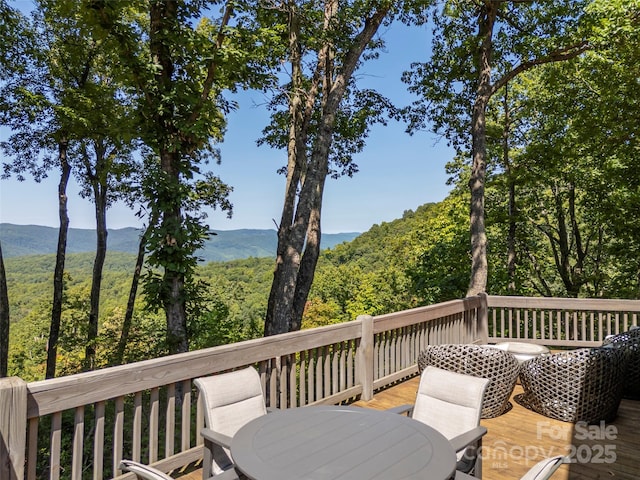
[
  {"x": 185, "y": 416},
  {"x": 170, "y": 421},
  {"x": 98, "y": 441},
  {"x": 56, "y": 440},
  {"x": 32, "y": 448},
  {"x": 118, "y": 433},
  {"x": 78, "y": 444},
  {"x": 136, "y": 433},
  {"x": 154, "y": 427},
  {"x": 304, "y": 375}
]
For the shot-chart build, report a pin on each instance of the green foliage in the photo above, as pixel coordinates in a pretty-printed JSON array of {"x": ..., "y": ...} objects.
[
  {"x": 243, "y": 287},
  {"x": 563, "y": 139},
  {"x": 572, "y": 148},
  {"x": 439, "y": 251},
  {"x": 179, "y": 59},
  {"x": 446, "y": 82}
]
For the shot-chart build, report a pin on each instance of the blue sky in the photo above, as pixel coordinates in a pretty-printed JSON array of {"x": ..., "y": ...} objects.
[{"x": 398, "y": 172}]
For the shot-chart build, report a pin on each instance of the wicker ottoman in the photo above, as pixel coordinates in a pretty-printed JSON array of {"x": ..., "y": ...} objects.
[
  {"x": 499, "y": 366},
  {"x": 630, "y": 343},
  {"x": 578, "y": 385}
]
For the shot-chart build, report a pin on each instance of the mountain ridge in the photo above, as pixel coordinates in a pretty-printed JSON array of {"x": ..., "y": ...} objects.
[{"x": 225, "y": 245}]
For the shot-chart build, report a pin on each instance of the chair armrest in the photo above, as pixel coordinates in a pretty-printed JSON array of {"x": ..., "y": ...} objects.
[
  {"x": 468, "y": 438},
  {"x": 216, "y": 437},
  {"x": 408, "y": 409}
]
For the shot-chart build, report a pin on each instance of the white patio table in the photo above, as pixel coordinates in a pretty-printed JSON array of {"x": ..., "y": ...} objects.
[{"x": 341, "y": 443}]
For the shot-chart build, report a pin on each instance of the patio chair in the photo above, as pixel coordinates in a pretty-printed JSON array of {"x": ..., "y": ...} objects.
[
  {"x": 451, "y": 403},
  {"x": 149, "y": 473},
  {"x": 499, "y": 366},
  {"x": 630, "y": 343},
  {"x": 582, "y": 385},
  {"x": 230, "y": 401},
  {"x": 542, "y": 470}
]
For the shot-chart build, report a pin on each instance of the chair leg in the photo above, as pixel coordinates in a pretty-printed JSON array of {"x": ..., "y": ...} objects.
[
  {"x": 207, "y": 460},
  {"x": 477, "y": 469}
]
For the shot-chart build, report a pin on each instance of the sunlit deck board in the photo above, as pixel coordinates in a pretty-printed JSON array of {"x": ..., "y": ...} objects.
[{"x": 519, "y": 438}]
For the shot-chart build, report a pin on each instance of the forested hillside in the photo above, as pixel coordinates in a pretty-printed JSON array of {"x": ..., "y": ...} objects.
[
  {"x": 365, "y": 275},
  {"x": 419, "y": 259},
  {"x": 222, "y": 245}
]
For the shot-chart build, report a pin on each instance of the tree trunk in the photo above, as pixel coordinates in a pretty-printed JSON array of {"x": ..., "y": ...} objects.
[
  {"x": 100, "y": 199},
  {"x": 487, "y": 15},
  {"x": 300, "y": 223},
  {"x": 511, "y": 240},
  {"x": 313, "y": 188},
  {"x": 4, "y": 320},
  {"x": 307, "y": 270},
  {"x": 290, "y": 235},
  {"x": 58, "y": 275},
  {"x": 173, "y": 280},
  {"x": 511, "y": 185},
  {"x": 479, "y": 267},
  {"x": 133, "y": 291},
  {"x": 569, "y": 237},
  {"x": 163, "y": 16}
]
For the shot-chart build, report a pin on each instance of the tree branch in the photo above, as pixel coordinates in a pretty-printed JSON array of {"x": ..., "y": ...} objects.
[
  {"x": 213, "y": 66},
  {"x": 559, "y": 55}
]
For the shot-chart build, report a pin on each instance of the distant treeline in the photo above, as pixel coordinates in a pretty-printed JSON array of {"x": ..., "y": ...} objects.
[{"x": 222, "y": 245}]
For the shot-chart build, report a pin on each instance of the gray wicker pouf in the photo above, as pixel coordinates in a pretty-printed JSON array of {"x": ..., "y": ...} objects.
[
  {"x": 499, "y": 366},
  {"x": 630, "y": 343},
  {"x": 578, "y": 385}
]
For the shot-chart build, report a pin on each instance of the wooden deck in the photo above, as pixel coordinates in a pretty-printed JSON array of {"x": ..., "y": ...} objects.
[
  {"x": 516, "y": 440},
  {"x": 519, "y": 438}
]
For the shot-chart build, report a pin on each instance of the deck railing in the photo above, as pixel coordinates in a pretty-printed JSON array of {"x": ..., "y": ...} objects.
[
  {"x": 559, "y": 322},
  {"x": 81, "y": 426}
]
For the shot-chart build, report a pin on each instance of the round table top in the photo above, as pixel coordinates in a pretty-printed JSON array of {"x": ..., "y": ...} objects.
[{"x": 341, "y": 443}]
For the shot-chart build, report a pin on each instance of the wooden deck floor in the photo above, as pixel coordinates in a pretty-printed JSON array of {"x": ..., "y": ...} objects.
[
  {"x": 516, "y": 440},
  {"x": 519, "y": 438}
]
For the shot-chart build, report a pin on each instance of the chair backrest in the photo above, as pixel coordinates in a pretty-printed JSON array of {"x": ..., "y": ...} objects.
[
  {"x": 230, "y": 401},
  {"x": 629, "y": 341},
  {"x": 544, "y": 469},
  {"x": 499, "y": 366},
  {"x": 448, "y": 401},
  {"x": 585, "y": 384}
]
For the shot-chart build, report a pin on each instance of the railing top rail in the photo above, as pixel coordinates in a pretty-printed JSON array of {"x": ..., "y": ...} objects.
[
  {"x": 53, "y": 395},
  {"x": 393, "y": 320},
  {"x": 554, "y": 303}
]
